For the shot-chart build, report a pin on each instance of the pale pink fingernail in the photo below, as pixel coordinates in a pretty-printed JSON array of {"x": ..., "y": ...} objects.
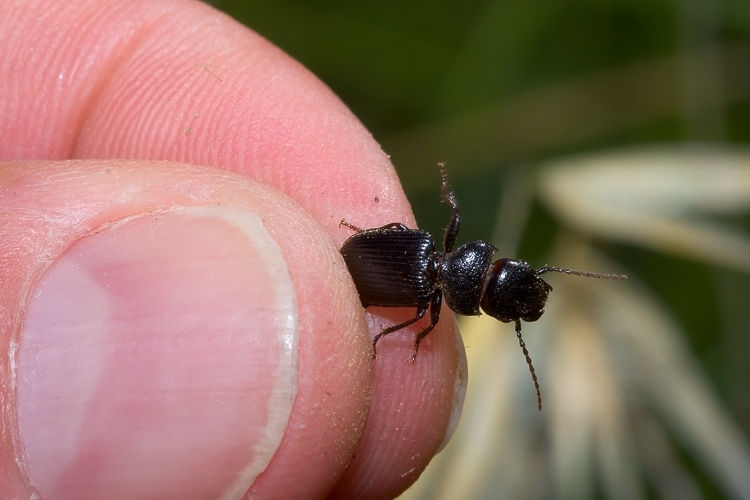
[{"x": 158, "y": 359}]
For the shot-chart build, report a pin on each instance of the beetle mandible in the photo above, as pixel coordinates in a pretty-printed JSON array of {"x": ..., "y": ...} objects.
[{"x": 395, "y": 266}]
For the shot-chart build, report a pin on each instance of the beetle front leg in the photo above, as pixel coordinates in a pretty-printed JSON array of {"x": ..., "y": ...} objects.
[
  {"x": 449, "y": 196},
  {"x": 385, "y": 331},
  {"x": 437, "y": 299}
]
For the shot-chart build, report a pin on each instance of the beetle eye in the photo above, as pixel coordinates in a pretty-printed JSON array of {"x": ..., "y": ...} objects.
[{"x": 514, "y": 291}]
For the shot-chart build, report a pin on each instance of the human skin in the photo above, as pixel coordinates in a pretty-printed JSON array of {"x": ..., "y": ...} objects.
[{"x": 154, "y": 150}]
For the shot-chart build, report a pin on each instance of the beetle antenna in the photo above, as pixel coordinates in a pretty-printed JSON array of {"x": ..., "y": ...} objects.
[
  {"x": 531, "y": 365},
  {"x": 587, "y": 274}
]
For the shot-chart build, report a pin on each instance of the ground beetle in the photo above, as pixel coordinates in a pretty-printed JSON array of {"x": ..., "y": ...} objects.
[{"x": 394, "y": 266}]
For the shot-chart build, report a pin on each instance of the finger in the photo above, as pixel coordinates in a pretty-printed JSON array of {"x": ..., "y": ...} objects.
[
  {"x": 414, "y": 411},
  {"x": 178, "y": 81},
  {"x": 178, "y": 328}
]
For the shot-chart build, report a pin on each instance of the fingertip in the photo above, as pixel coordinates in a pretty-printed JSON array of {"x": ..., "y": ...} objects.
[{"x": 414, "y": 410}]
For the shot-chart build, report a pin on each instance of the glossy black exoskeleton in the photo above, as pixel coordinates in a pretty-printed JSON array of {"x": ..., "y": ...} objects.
[{"x": 394, "y": 266}]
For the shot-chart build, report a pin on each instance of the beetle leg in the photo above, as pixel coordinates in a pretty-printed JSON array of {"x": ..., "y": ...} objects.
[
  {"x": 451, "y": 232},
  {"x": 434, "y": 317},
  {"x": 385, "y": 331},
  {"x": 351, "y": 226},
  {"x": 395, "y": 225},
  {"x": 357, "y": 229}
]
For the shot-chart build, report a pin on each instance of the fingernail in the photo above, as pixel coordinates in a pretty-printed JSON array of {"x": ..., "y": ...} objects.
[{"x": 158, "y": 359}]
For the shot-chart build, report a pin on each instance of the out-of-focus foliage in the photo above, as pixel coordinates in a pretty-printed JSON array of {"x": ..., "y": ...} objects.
[
  {"x": 625, "y": 395},
  {"x": 547, "y": 112}
]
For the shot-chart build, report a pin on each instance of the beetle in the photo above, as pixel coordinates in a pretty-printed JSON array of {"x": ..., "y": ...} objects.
[{"x": 396, "y": 266}]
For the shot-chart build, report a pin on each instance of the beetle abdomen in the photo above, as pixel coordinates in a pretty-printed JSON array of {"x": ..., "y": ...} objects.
[{"x": 390, "y": 267}]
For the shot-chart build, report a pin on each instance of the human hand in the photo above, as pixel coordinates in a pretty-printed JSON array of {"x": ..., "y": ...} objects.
[{"x": 179, "y": 330}]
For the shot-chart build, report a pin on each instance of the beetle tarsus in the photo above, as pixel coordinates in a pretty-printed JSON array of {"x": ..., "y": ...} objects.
[
  {"x": 449, "y": 196},
  {"x": 385, "y": 331},
  {"x": 351, "y": 226},
  {"x": 419, "y": 338}
]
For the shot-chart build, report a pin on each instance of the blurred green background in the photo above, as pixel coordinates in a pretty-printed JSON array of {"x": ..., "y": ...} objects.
[{"x": 496, "y": 88}]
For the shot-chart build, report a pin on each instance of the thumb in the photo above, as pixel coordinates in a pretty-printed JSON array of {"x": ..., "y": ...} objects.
[{"x": 174, "y": 328}]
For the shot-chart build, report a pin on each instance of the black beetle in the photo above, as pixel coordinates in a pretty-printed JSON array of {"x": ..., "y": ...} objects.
[{"x": 395, "y": 266}]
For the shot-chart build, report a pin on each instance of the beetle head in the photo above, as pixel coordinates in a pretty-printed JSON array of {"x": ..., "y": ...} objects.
[{"x": 514, "y": 291}]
